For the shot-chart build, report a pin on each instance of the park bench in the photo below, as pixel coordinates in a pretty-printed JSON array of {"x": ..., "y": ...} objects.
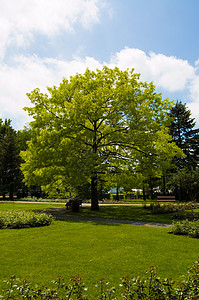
[
  {"x": 166, "y": 198},
  {"x": 69, "y": 203}
]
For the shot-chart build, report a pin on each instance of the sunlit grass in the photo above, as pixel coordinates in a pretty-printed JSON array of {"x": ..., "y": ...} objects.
[
  {"x": 93, "y": 249},
  {"x": 13, "y": 205}
]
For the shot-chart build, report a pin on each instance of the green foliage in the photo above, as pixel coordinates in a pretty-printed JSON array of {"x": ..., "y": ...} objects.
[
  {"x": 9, "y": 160},
  {"x": 92, "y": 126},
  {"x": 185, "y": 135},
  {"x": 185, "y": 227},
  {"x": 187, "y": 180},
  {"x": 185, "y": 174},
  {"x": 24, "y": 289},
  {"x": 15, "y": 219},
  {"x": 149, "y": 287},
  {"x": 171, "y": 207},
  {"x": 23, "y": 136},
  {"x": 190, "y": 216}
]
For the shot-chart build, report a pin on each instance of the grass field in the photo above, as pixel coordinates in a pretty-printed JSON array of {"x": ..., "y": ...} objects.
[
  {"x": 134, "y": 213},
  {"x": 91, "y": 249},
  {"x": 13, "y": 205}
]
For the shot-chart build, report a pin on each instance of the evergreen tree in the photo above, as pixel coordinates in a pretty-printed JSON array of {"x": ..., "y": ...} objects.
[
  {"x": 185, "y": 135},
  {"x": 9, "y": 160}
]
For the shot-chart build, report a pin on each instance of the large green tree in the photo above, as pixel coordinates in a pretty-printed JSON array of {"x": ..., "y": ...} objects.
[{"x": 91, "y": 125}]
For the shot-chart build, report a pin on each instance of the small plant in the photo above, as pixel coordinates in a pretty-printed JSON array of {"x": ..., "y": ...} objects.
[
  {"x": 105, "y": 292},
  {"x": 111, "y": 197},
  {"x": 15, "y": 219},
  {"x": 149, "y": 287}
]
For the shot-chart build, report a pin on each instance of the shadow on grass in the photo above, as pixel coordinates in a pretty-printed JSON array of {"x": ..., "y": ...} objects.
[
  {"x": 63, "y": 215},
  {"x": 112, "y": 215}
]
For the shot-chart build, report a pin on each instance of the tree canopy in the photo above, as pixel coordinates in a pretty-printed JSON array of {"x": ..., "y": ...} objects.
[
  {"x": 93, "y": 125},
  {"x": 185, "y": 135},
  {"x": 9, "y": 160}
]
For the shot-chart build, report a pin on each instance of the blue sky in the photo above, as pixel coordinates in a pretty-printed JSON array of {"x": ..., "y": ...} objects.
[{"x": 46, "y": 40}]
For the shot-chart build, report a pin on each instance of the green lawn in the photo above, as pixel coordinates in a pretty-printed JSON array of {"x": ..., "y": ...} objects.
[
  {"x": 134, "y": 213},
  {"x": 93, "y": 250},
  {"x": 14, "y": 205}
]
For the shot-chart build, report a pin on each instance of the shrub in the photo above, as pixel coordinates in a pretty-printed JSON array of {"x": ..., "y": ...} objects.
[
  {"x": 191, "y": 216},
  {"x": 22, "y": 219},
  {"x": 173, "y": 207},
  {"x": 185, "y": 227},
  {"x": 149, "y": 286}
]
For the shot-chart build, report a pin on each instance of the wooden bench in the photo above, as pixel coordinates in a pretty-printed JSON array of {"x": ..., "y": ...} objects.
[{"x": 166, "y": 198}]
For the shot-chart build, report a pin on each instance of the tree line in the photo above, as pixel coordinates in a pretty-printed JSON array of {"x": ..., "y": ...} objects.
[{"x": 100, "y": 130}]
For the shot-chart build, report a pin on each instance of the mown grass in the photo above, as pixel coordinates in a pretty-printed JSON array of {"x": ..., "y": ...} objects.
[
  {"x": 13, "y": 205},
  {"x": 93, "y": 249},
  {"x": 133, "y": 213}
]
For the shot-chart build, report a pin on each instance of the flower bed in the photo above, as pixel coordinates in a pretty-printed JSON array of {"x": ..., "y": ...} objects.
[{"x": 149, "y": 286}]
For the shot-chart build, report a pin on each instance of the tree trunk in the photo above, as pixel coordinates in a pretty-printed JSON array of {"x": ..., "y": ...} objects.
[
  {"x": 117, "y": 193},
  {"x": 144, "y": 195},
  {"x": 11, "y": 196},
  {"x": 94, "y": 193}
]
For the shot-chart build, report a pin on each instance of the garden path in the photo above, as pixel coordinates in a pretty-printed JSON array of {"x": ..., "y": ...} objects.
[{"x": 61, "y": 213}]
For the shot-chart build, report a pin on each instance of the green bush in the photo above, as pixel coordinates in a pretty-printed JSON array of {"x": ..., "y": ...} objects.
[
  {"x": 185, "y": 227},
  {"x": 149, "y": 286},
  {"x": 168, "y": 208},
  {"x": 16, "y": 219},
  {"x": 191, "y": 216}
]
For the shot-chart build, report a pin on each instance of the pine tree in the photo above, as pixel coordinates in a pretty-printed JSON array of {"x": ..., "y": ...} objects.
[
  {"x": 185, "y": 135},
  {"x": 9, "y": 159}
]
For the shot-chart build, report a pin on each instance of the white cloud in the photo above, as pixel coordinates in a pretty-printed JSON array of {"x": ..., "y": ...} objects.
[
  {"x": 169, "y": 73},
  {"x": 194, "y": 95},
  {"x": 27, "y": 73},
  {"x": 20, "y": 20}
]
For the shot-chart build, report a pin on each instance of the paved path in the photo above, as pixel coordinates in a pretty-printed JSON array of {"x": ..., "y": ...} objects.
[
  {"x": 149, "y": 224},
  {"x": 60, "y": 213},
  {"x": 83, "y": 204}
]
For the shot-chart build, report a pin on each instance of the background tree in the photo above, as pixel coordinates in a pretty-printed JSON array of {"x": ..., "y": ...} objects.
[
  {"x": 9, "y": 160},
  {"x": 188, "y": 182},
  {"x": 90, "y": 125},
  {"x": 22, "y": 137},
  {"x": 186, "y": 137}
]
